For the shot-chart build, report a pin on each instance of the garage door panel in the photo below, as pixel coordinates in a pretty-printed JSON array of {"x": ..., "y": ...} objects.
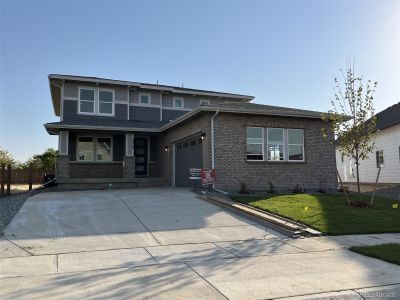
[{"x": 188, "y": 155}]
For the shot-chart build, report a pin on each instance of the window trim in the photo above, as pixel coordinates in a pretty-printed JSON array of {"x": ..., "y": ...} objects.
[
  {"x": 183, "y": 102},
  {"x": 287, "y": 142},
  {"x": 79, "y": 100},
  {"x": 204, "y": 101},
  {"x": 112, "y": 103},
  {"x": 284, "y": 144},
  {"x": 262, "y": 144},
  {"x": 96, "y": 104},
  {"x": 380, "y": 163},
  {"x": 144, "y": 94},
  {"x": 94, "y": 160}
]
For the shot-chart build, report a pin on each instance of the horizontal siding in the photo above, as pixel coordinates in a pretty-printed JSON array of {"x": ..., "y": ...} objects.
[
  {"x": 71, "y": 90},
  {"x": 71, "y": 112},
  {"x": 140, "y": 113},
  {"x": 387, "y": 140},
  {"x": 171, "y": 114},
  {"x": 154, "y": 96}
]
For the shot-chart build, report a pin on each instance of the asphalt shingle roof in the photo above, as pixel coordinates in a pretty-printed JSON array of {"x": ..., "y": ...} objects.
[{"x": 388, "y": 117}]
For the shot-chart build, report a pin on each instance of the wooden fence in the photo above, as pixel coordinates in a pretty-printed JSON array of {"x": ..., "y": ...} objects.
[{"x": 9, "y": 176}]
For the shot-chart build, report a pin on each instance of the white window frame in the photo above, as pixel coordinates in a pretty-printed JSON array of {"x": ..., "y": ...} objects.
[
  {"x": 96, "y": 105},
  {"x": 79, "y": 101},
  {"x": 283, "y": 143},
  {"x": 262, "y": 144},
  {"x": 381, "y": 161},
  {"x": 183, "y": 102},
  {"x": 287, "y": 142},
  {"x": 140, "y": 98},
  {"x": 94, "y": 150},
  {"x": 112, "y": 103},
  {"x": 204, "y": 101}
]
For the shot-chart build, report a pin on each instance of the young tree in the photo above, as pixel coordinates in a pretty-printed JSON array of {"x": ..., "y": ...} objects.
[{"x": 352, "y": 118}]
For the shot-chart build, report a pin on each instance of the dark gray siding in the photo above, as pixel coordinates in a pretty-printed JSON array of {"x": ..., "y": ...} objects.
[
  {"x": 72, "y": 145},
  {"x": 170, "y": 114},
  {"x": 153, "y": 148},
  {"x": 140, "y": 113},
  {"x": 118, "y": 147},
  {"x": 71, "y": 112}
]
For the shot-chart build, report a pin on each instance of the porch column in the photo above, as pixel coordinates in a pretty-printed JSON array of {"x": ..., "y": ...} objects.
[
  {"x": 62, "y": 158},
  {"x": 129, "y": 158},
  {"x": 63, "y": 142}
]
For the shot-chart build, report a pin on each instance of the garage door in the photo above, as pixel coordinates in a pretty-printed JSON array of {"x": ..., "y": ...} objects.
[{"x": 188, "y": 155}]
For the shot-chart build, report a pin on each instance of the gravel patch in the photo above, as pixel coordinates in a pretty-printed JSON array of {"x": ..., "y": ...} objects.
[{"x": 9, "y": 206}]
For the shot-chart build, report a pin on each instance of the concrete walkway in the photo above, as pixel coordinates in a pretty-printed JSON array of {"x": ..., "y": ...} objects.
[{"x": 168, "y": 244}]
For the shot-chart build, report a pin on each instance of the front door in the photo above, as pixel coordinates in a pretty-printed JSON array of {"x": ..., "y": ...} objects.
[{"x": 140, "y": 156}]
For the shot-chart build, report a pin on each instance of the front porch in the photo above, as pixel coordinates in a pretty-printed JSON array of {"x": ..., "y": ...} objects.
[{"x": 103, "y": 160}]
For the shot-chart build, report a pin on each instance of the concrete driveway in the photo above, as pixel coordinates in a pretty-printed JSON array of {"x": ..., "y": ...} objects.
[{"x": 166, "y": 243}]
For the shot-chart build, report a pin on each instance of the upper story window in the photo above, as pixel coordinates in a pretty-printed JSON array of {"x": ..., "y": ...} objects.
[
  {"x": 255, "y": 143},
  {"x": 204, "y": 102},
  {"x": 106, "y": 102},
  {"x": 178, "y": 102},
  {"x": 96, "y": 101},
  {"x": 144, "y": 98},
  {"x": 379, "y": 159},
  {"x": 86, "y": 101}
]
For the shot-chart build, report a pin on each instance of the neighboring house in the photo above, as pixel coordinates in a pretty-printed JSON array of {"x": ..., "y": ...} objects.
[
  {"x": 128, "y": 134},
  {"x": 386, "y": 153}
]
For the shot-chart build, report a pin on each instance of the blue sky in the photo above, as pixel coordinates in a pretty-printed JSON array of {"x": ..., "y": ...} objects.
[{"x": 285, "y": 53}]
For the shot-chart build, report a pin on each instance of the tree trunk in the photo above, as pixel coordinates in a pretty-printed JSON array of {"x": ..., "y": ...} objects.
[{"x": 358, "y": 175}]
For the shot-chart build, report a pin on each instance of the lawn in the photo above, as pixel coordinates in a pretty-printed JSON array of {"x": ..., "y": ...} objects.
[
  {"x": 386, "y": 252},
  {"x": 330, "y": 213}
]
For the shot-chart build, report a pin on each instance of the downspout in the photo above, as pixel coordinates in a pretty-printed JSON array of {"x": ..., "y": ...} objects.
[{"x": 212, "y": 140}]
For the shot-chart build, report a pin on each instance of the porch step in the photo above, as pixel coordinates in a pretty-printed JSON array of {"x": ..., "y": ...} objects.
[{"x": 110, "y": 183}]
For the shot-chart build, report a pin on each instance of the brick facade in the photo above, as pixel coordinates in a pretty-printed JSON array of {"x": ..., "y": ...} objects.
[
  {"x": 232, "y": 168},
  {"x": 129, "y": 167},
  {"x": 198, "y": 125},
  {"x": 62, "y": 166},
  {"x": 96, "y": 170}
]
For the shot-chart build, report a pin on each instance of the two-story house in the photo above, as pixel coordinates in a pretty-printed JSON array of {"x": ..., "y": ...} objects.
[{"x": 128, "y": 134}]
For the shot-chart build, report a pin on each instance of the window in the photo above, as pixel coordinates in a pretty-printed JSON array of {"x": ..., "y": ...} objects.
[
  {"x": 144, "y": 98},
  {"x": 282, "y": 144},
  {"x": 85, "y": 148},
  {"x": 103, "y": 149},
  {"x": 96, "y": 101},
  {"x": 86, "y": 101},
  {"x": 295, "y": 144},
  {"x": 379, "y": 159},
  {"x": 94, "y": 149},
  {"x": 275, "y": 144},
  {"x": 255, "y": 143},
  {"x": 204, "y": 102},
  {"x": 106, "y": 102},
  {"x": 342, "y": 157},
  {"x": 178, "y": 102}
]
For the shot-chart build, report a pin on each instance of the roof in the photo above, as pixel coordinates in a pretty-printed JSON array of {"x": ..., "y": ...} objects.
[
  {"x": 388, "y": 117},
  {"x": 105, "y": 124},
  {"x": 55, "y": 93},
  {"x": 131, "y": 125}
]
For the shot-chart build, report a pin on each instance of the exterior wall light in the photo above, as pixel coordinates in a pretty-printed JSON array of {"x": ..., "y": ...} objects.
[
  {"x": 203, "y": 135},
  {"x": 166, "y": 148}
]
